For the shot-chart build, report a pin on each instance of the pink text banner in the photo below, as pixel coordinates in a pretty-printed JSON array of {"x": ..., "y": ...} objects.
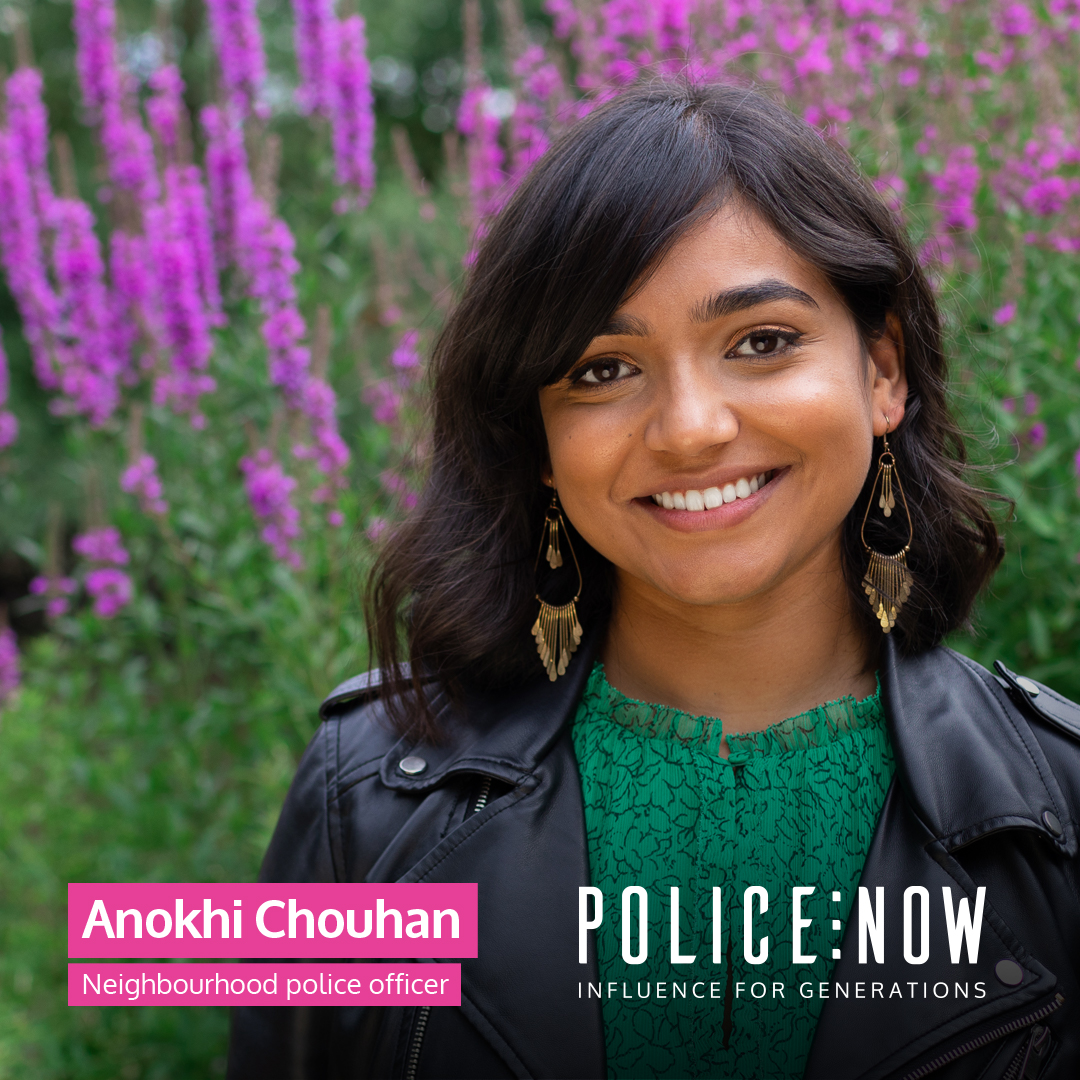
[
  {"x": 264, "y": 984},
  {"x": 276, "y": 922}
]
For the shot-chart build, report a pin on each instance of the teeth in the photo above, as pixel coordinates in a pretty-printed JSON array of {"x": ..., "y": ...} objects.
[{"x": 712, "y": 497}]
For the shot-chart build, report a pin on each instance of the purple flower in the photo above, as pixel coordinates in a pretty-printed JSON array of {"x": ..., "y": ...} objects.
[
  {"x": 405, "y": 356},
  {"x": 89, "y": 369},
  {"x": 234, "y": 26},
  {"x": 141, "y": 479},
  {"x": 23, "y": 256},
  {"x": 957, "y": 184},
  {"x": 1037, "y": 435},
  {"x": 165, "y": 107},
  {"x": 480, "y": 126},
  {"x": 1005, "y": 314},
  {"x": 1031, "y": 403},
  {"x": 28, "y": 124},
  {"x": 184, "y": 322},
  {"x": 10, "y": 676},
  {"x": 129, "y": 153},
  {"x": 385, "y": 402},
  {"x": 228, "y": 180},
  {"x": 1016, "y": 20},
  {"x": 352, "y": 113},
  {"x": 101, "y": 545},
  {"x": 130, "y": 306},
  {"x": 96, "y": 60},
  {"x": 270, "y": 494},
  {"x": 317, "y": 54},
  {"x": 111, "y": 590},
  {"x": 56, "y": 591}
]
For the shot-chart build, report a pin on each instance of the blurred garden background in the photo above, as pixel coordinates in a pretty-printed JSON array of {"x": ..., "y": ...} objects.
[{"x": 229, "y": 231}]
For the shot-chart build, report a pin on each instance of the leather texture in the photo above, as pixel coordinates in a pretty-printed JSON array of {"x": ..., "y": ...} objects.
[{"x": 986, "y": 793}]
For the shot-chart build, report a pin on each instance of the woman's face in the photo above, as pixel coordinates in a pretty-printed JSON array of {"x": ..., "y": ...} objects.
[{"x": 712, "y": 439}]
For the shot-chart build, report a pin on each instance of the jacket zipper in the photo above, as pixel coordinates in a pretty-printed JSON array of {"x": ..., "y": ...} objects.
[
  {"x": 1029, "y": 1055},
  {"x": 412, "y": 1059},
  {"x": 986, "y": 1038}
]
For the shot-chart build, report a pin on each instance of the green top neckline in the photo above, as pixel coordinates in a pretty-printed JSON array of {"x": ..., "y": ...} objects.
[{"x": 816, "y": 727}]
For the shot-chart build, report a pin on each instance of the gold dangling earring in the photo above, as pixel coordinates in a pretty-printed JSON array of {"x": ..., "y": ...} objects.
[
  {"x": 557, "y": 629},
  {"x": 887, "y": 581}
]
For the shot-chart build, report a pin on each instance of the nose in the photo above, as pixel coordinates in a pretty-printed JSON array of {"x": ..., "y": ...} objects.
[{"x": 690, "y": 415}]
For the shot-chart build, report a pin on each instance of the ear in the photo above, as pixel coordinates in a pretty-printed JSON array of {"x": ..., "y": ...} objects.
[{"x": 889, "y": 388}]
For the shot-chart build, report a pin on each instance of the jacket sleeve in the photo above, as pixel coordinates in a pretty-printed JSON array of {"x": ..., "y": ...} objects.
[
  {"x": 279, "y": 1042},
  {"x": 300, "y": 847}
]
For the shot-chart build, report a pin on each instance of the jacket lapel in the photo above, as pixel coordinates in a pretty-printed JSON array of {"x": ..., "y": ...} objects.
[
  {"x": 528, "y": 853},
  {"x": 967, "y": 766}
]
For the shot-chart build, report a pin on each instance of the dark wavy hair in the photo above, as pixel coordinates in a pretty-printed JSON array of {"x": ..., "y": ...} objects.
[{"x": 453, "y": 589}]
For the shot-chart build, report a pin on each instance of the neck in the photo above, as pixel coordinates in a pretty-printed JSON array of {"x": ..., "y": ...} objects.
[{"x": 753, "y": 662}]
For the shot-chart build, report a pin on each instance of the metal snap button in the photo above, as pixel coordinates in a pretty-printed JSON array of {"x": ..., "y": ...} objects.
[
  {"x": 1026, "y": 684},
  {"x": 412, "y": 766},
  {"x": 1051, "y": 822},
  {"x": 1009, "y": 972}
]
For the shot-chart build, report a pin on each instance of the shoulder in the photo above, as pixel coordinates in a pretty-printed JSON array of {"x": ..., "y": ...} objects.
[{"x": 356, "y": 731}]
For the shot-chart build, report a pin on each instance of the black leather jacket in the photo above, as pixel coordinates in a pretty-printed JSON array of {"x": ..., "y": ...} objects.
[{"x": 986, "y": 792}]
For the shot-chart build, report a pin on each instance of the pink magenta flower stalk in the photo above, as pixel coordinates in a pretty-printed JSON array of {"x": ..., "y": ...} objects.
[
  {"x": 317, "y": 54},
  {"x": 141, "y": 479},
  {"x": 110, "y": 589},
  {"x": 102, "y": 546},
  {"x": 23, "y": 256},
  {"x": 165, "y": 107},
  {"x": 262, "y": 247},
  {"x": 540, "y": 83},
  {"x": 28, "y": 124},
  {"x": 352, "y": 115},
  {"x": 480, "y": 126},
  {"x": 184, "y": 323},
  {"x": 228, "y": 180},
  {"x": 10, "y": 676},
  {"x": 270, "y": 494},
  {"x": 129, "y": 153},
  {"x": 89, "y": 368},
  {"x": 129, "y": 300},
  {"x": 96, "y": 60},
  {"x": 234, "y": 26},
  {"x": 56, "y": 591}
]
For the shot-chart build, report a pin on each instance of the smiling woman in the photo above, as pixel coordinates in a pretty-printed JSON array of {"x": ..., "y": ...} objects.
[{"x": 691, "y": 444}]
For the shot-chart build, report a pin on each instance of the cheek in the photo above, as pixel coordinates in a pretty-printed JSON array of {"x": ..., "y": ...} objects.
[{"x": 587, "y": 447}]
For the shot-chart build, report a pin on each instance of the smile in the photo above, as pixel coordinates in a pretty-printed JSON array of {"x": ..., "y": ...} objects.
[{"x": 712, "y": 497}]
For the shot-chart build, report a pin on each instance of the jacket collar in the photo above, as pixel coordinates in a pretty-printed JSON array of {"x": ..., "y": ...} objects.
[
  {"x": 963, "y": 780},
  {"x": 965, "y": 755},
  {"x": 499, "y": 735}
]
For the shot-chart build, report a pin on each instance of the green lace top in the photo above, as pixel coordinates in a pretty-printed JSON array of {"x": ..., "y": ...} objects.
[{"x": 794, "y": 805}]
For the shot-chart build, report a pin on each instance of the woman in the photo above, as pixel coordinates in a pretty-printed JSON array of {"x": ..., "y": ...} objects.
[{"x": 698, "y": 367}]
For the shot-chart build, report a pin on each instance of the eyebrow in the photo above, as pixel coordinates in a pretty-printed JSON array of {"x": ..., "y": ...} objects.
[
  {"x": 732, "y": 300},
  {"x": 714, "y": 307}
]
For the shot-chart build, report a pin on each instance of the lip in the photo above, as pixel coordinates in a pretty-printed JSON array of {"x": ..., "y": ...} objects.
[{"x": 724, "y": 516}]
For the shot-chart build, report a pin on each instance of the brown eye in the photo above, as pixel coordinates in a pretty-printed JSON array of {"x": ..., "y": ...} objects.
[
  {"x": 764, "y": 343},
  {"x": 600, "y": 372}
]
